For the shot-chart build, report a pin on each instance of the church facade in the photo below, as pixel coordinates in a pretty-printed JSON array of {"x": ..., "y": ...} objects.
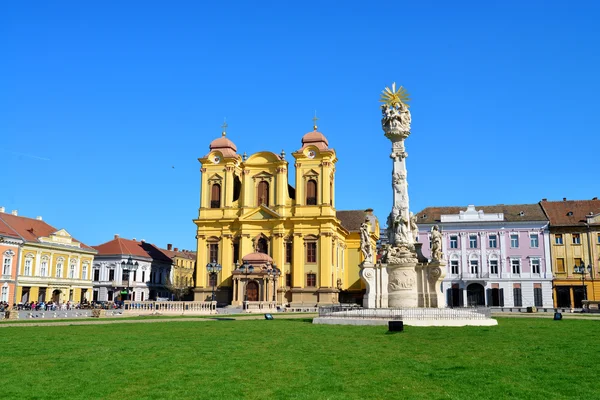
[{"x": 276, "y": 242}]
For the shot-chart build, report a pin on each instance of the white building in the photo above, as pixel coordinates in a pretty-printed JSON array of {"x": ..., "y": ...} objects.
[
  {"x": 498, "y": 256},
  {"x": 127, "y": 269}
]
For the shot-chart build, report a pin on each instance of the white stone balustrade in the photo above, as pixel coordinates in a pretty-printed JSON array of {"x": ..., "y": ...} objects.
[
  {"x": 259, "y": 306},
  {"x": 171, "y": 307}
]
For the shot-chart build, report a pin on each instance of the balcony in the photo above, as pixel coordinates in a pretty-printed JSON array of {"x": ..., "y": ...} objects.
[{"x": 475, "y": 276}]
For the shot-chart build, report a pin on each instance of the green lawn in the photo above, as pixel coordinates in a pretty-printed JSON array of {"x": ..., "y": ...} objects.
[{"x": 258, "y": 359}]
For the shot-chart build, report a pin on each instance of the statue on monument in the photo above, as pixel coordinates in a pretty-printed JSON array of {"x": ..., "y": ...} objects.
[
  {"x": 413, "y": 226},
  {"x": 401, "y": 229},
  {"x": 436, "y": 244},
  {"x": 365, "y": 242},
  {"x": 395, "y": 114}
]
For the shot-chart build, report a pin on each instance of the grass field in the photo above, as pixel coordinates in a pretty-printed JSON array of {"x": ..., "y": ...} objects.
[{"x": 258, "y": 359}]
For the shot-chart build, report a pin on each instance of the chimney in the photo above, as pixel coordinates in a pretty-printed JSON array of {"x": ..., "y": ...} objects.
[
  {"x": 133, "y": 239},
  {"x": 116, "y": 235},
  {"x": 176, "y": 249},
  {"x": 544, "y": 199},
  {"x": 369, "y": 211},
  {"x": 564, "y": 199},
  {"x": 169, "y": 246},
  {"x": 2, "y": 209},
  {"x": 143, "y": 240},
  {"x": 15, "y": 212},
  {"x": 39, "y": 217}
]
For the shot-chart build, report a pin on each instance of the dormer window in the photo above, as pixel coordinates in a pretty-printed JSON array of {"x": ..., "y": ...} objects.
[
  {"x": 570, "y": 214},
  {"x": 521, "y": 213}
]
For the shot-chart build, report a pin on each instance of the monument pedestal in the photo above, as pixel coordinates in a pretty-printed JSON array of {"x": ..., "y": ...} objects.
[
  {"x": 376, "y": 279},
  {"x": 430, "y": 284},
  {"x": 402, "y": 284}
]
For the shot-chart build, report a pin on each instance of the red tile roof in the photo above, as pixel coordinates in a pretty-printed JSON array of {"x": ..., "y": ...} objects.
[
  {"x": 6, "y": 230},
  {"x": 512, "y": 212},
  {"x": 31, "y": 230},
  {"x": 570, "y": 212},
  {"x": 122, "y": 246},
  {"x": 351, "y": 219},
  {"x": 190, "y": 255}
]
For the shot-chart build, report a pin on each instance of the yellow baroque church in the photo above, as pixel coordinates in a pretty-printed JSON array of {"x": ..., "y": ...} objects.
[{"x": 277, "y": 243}]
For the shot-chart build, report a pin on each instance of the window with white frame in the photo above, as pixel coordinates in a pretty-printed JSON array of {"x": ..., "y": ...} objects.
[
  {"x": 473, "y": 241},
  {"x": 28, "y": 264},
  {"x": 558, "y": 238},
  {"x": 576, "y": 238},
  {"x": 59, "y": 267},
  {"x": 493, "y": 241},
  {"x": 84, "y": 270},
  {"x": 4, "y": 296},
  {"x": 474, "y": 264},
  {"x": 514, "y": 240},
  {"x": 494, "y": 266},
  {"x": 454, "y": 242},
  {"x": 534, "y": 240},
  {"x": 515, "y": 264},
  {"x": 72, "y": 269},
  {"x": 454, "y": 267},
  {"x": 535, "y": 266},
  {"x": 44, "y": 266},
  {"x": 7, "y": 262}
]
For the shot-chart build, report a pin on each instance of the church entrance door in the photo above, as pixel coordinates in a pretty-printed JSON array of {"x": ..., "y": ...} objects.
[{"x": 252, "y": 291}]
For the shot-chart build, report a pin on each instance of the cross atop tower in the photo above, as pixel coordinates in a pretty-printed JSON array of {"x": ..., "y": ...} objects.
[
  {"x": 315, "y": 121},
  {"x": 224, "y": 127}
]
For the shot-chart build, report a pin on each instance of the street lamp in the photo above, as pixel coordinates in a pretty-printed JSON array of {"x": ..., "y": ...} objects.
[
  {"x": 273, "y": 273},
  {"x": 213, "y": 269},
  {"x": 581, "y": 269},
  {"x": 246, "y": 269},
  {"x": 130, "y": 265}
]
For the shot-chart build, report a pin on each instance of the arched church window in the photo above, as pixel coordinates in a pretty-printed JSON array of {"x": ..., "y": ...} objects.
[
  {"x": 215, "y": 196},
  {"x": 263, "y": 193},
  {"x": 311, "y": 192},
  {"x": 237, "y": 188}
]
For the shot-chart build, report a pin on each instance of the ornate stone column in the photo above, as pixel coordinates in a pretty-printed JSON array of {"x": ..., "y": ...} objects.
[{"x": 400, "y": 257}]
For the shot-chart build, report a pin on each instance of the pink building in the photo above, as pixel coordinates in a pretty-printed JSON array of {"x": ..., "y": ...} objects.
[{"x": 498, "y": 256}]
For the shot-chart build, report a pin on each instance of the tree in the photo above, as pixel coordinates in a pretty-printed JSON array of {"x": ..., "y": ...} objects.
[{"x": 179, "y": 289}]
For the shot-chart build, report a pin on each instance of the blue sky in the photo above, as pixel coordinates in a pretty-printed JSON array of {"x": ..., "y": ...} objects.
[{"x": 100, "y": 100}]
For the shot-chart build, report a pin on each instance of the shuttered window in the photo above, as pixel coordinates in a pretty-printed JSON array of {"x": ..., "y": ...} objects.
[
  {"x": 537, "y": 296},
  {"x": 311, "y": 192},
  {"x": 311, "y": 252},
  {"x": 215, "y": 196},
  {"x": 518, "y": 297}
]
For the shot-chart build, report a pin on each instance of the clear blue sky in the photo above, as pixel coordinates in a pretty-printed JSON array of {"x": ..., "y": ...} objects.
[{"x": 99, "y": 100}]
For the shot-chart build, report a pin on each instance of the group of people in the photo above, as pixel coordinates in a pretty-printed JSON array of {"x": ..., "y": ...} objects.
[{"x": 50, "y": 306}]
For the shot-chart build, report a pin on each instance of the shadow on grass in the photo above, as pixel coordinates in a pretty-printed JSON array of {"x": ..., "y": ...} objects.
[
  {"x": 223, "y": 319},
  {"x": 304, "y": 320}
]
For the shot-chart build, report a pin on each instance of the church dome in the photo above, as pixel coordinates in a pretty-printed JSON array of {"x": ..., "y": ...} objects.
[
  {"x": 257, "y": 259},
  {"x": 224, "y": 145},
  {"x": 315, "y": 138}
]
